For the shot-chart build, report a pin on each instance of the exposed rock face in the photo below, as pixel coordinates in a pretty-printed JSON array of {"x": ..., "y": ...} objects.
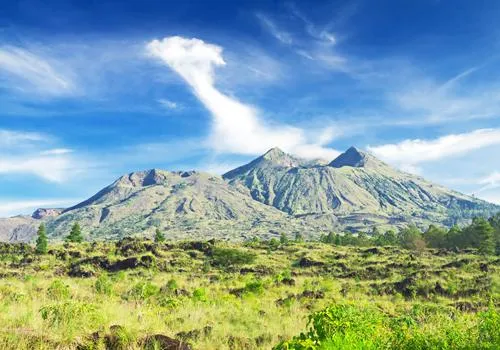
[
  {"x": 351, "y": 158},
  {"x": 275, "y": 193},
  {"x": 357, "y": 188},
  {"x": 44, "y": 212}
]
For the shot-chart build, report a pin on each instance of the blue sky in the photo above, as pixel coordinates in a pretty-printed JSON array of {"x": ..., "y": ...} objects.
[{"x": 92, "y": 90}]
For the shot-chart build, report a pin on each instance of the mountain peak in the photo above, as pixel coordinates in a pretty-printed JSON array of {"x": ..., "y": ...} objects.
[
  {"x": 353, "y": 157},
  {"x": 274, "y": 153}
]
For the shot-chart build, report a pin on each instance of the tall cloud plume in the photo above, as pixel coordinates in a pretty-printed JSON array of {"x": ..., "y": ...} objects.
[{"x": 237, "y": 127}]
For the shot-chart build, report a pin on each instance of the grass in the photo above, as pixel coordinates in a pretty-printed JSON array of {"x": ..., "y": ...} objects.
[{"x": 233, "y": 296}]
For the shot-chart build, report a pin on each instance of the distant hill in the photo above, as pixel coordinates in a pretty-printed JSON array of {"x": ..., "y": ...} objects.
[{"x": 274, "y": 193}]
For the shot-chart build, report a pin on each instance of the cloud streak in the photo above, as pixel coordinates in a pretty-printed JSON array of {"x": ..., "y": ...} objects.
[
  {"x": 25, "y": 71},
  {"x": 237, "y": 127},
  {"x": 31, "y": 153},
  {"x": 409, "y": 153}
]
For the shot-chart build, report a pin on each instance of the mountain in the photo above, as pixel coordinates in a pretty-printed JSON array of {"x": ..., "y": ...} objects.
[
  {"x": 183, "y": 204},
  {"x": 275, "y": 193},
  {"x": 357, "y": 188}
]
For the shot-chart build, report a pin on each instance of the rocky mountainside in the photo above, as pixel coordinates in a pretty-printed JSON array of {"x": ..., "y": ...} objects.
[
  {"x": 272, "y": 194},
  {"x": 182, "y": 204},
  {"x": 357, "y": 188}
]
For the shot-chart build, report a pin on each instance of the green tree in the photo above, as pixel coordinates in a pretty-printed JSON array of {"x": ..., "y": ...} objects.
[
  {"x": 411, "y": 238},
  {"x": 495, "y": 223},
  {"x": 75, "y": 235},
  {"x": 454, "y": 237},
  {"x": 284, "y": 239},
  {"x": 435, "y": 237},
  {"x": 159, "y": 236},
  {"x": 41, "y": 240},
  {"x": 299, "y": 237},
  {"x": 483, "y": 234}
]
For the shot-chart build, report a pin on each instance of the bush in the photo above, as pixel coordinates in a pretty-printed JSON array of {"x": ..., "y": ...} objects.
[
  {"x": 348, "y": 326},
  {"x": 67, "y": 312},
  {"x": 255, "y": 287},
  {"x": 200, "y": 294},
  {"x": 142, "y": 291},
  {"x": 58, "y": 290},
  {"x": 104, "y": 285},
  {"x": 230, "y": 257}
]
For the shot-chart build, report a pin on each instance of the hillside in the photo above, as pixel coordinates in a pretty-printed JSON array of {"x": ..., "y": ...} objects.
[
  {"x": 275, "y": 193},
  {"x": 356, "y": 187},
  {"x": 183, "y": 204}
]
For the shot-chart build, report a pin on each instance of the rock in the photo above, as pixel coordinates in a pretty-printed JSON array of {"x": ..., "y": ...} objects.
[
  {"x": 162, "y": 342},
  {"x": 307, "y": 262},
  {"x": 42, "y": 213}
]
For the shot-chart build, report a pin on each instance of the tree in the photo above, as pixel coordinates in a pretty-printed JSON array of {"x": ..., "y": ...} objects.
[
  {"x": 411, "y": 238},
  {"x": 41, "y": 240},
  {"x": 435, "y": 237},
  {"x": 329, "y": 238},
  {"x": 75, "y": 235},
  {"x": 159, "y": 236},
  {"x": 483, "y": 234},
  {"x": 495, "y": 223},
  {"x": 299, "y": 237},
  {"x": 454, "y": 237},
  {"x": 284, "y": 239}
]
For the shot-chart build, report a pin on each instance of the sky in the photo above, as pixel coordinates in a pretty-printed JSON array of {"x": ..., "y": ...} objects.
[{"x": 92, "y": 90}]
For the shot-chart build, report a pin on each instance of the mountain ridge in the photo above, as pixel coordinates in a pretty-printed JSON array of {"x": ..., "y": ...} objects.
[{"x": 276, "y": 192}]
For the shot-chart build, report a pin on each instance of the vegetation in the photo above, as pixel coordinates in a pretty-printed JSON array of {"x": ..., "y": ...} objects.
[
  {"x": 159, "y": 236},
  {"x": 137, "y": 293},
  {"x": 75, "y": 235},
  {"x": 41, "y": 240},
  {"x": 481, "y": 234}
]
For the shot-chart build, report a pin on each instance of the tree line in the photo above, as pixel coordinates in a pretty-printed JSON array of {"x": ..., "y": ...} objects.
[
  {"x": 482, "y": 234},
  {"x": 75, "y": 236}
]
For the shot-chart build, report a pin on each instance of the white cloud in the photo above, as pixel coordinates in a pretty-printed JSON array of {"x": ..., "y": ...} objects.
[
  {"x": 449, "y": 101},
  {"x": 27, "y": 67},
  {"x": 10, "y": 138},
  {"x": 17, "y": 207},
  {"x": 51, "y": 167},
  {"x": 167, "y": 104},
  {"x": 280, "y": 35},
  {"x": 407, "y": 154},
  {"x": 237, "y": 127},
  {"x": 31, "y": 153}
]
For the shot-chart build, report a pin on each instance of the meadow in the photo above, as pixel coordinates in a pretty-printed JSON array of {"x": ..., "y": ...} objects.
[{"x": 136, "y": 294}]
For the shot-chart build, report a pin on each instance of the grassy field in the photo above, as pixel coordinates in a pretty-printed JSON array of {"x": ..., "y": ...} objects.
[{"x": 134, "y": 294}]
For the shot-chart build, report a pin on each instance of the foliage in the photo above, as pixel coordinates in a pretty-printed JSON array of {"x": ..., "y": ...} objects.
[
  {"x": 104, "y": 285},
  {"x": 229, "y": 257},
  {"x": 75, "y": 235},
  {"x": 58, "y": 290},
  {"x": 351, "y": 326},
  {"x": 159, "y": 236},
  {"x": 41, "y": 241}
]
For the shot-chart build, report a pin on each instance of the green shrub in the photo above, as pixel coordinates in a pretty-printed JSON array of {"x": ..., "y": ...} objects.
[
  {"x": 200, "y": 294},
  {"x": 142, "y": 291},
  {"x": 67, "y": 312},
  {"x": 229, "y": 257},
  {"x": 58, "y": 290},
  {"x": 104, "y": 285},
  {"x": 255, "y": 287}
]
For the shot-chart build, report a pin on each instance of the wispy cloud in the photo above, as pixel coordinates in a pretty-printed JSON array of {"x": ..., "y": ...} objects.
[
  {"x": 32, "y": 153},
  {"x": 27, "y": 71},
  {"x": 270, "y": 26},
  {"x": 167, "y": 104},
  {"x": 440, "y": 102},
  {"x": 237, "y": 127},
  {"x": 408, "y": 154}
]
